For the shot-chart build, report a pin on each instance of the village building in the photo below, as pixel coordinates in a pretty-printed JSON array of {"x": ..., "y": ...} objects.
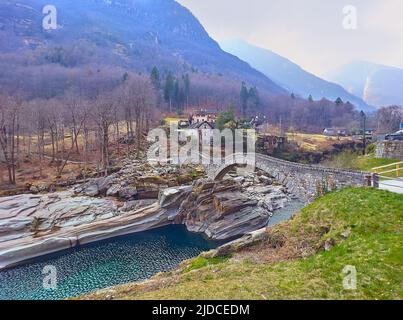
[
  {"x": 335, "y": 132},
  {"x": 204, "y": 115},
  {"x": 204, "y": 128}
]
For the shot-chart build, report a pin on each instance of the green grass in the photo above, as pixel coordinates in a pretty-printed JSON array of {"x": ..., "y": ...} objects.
[
  {"x": 366, "y": 163},
  {"x": 369, "y": 162},
  {"x": 200, "y": 262},
  {"x": 373, "y": 219},
  {"x": 354, "y": 161}
]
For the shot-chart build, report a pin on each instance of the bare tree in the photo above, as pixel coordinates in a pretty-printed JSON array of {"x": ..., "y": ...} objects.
[
  {"x": 9, "y": 122},
  {"x": 389, "y": 119},
  {"x": 52, "y": 110},
  {"x": 74, "y": 106},
  {"x": 80, "y": 127},
  {"x": 103, "y": 113},
  {"x": 139, "y": 100}
]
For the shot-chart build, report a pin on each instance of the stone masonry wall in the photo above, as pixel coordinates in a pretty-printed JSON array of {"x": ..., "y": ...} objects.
[{"x": 390, "y": 149}]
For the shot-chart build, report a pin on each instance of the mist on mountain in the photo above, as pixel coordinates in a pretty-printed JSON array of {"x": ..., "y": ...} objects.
[
  {"x": 377, "y": 84},
  {"x": 290, "y": 75}
]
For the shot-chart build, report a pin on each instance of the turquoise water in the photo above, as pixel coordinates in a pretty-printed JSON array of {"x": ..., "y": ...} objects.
[
  {"x": 287, "y": 212},
  {"x": 104, "y": 264},
  {"x": 112, "y": 262}
]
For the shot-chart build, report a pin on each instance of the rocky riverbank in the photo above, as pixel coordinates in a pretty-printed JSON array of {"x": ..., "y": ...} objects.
[
  {"x": 137, "y": 198},
  {"x": 230, "y": 208}
]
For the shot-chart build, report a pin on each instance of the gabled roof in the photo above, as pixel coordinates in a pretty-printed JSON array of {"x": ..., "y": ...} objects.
[{"x": 197, "y": 125}]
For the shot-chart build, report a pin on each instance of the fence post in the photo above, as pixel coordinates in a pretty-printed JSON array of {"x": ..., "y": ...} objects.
[
  {"x": 368, "y": 181},
  {"x": 375, "y": 180}
]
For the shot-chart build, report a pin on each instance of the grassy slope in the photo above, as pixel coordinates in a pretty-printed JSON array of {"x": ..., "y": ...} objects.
[
  {"x": 368, "y": 162},
  {"x": 316, "y": 142},
  {"x": 350, "y": 160},
  {"x": 374, "y": 247}
]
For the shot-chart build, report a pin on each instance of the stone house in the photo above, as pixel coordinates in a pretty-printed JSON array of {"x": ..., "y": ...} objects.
[
  {"x": 204, "y": 116},
  {"x": 204, "y": 128}
]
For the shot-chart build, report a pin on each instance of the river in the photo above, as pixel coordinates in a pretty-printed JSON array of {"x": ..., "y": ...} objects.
[
  {"x": 111, "y": 262},
  {"x": 104, "y": 264}
]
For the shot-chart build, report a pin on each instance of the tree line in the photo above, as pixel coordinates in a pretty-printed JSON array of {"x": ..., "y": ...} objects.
[
  {"x": 75, "y": 124},
  {"x": 93, "y": 114}
]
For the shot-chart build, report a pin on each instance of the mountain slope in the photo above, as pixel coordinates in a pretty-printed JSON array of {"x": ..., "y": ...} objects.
[
  {"x": 377, "y": 84},
  {"x": 132, "y": 34},
  {"x": 288, "y": 74}
]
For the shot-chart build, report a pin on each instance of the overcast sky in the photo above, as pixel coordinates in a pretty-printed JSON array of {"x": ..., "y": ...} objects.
[{"x": 309, "y": 32}]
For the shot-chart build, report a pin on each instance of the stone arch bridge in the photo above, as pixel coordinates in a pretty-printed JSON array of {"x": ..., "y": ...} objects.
[{"x": 302, "y": 180}]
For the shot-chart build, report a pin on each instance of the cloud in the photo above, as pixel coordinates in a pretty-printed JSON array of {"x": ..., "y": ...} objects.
[{"x": 309, "y": 32}]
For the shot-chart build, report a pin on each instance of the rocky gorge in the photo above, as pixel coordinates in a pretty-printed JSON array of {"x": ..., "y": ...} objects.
[{"x": 137, "y": 198}]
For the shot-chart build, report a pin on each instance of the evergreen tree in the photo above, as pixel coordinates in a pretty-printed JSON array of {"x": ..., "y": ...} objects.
[
  {"x": 125, "y": 77},
  {"x": 177, "y": 97},
  {"x": 244, "y": 95},
  {"x": 253, "y": 97},
  {"x": 338, "y": 101},
  {"x": 169, "y": 89},
  {"x": 155, "y": 78},
  {"x": 226, "y": 119},
  {"x": 186, "y": 82},
  {"x": 310, "y": 98}
]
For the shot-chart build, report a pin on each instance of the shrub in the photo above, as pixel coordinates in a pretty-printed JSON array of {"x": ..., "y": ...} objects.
[
  {"x": 345, "y": 160},
  {"x": 370, "y": 149}
]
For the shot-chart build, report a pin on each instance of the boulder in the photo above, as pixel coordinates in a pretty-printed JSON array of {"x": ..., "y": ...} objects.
[
  {"x": 346, "y": 234},
  {"x": 234, "y": 225},
  {"x": 173, "y": 197},
  {"x": 261, "y": 189},
  {"x": 229, "y": 202},
  {"x": 240, "y": 179},
  {"x": 34, "y": 189},
  {"x": 274, "y": 201},
  {"x": 148, "y": 194},
  {"x": 91, "y": 190},
  {"x": 128, "y": 193},
  {"x": 96, "y": 187},
  {"x": 113, "y": 190},
  {"x": 245, "y": 241},
  {"x": 105, "y": 183},
  {"x": 329, "y": 244},
  {"x": 41, "y": 188},
  {"x": 266, "y": 180},
  {"x": 221, "y": 210}
]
